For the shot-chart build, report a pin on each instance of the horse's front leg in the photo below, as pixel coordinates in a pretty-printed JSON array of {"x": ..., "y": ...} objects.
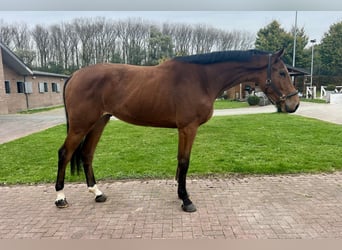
[{"x": 186, "y": 139}]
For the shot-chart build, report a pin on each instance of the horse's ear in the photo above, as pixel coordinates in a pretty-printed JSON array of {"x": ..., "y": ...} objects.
[{"x": 279, "y": 53}]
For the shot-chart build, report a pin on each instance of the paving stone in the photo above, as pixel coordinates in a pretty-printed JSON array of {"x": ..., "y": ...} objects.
[{"x": 266, "y": 207}]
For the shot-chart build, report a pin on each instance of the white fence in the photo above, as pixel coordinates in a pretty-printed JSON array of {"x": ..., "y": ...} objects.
[
  {"x": 338, "y": 89},
  {"x": 325, "y": 94},
  {"x": 310, "y": 92}
]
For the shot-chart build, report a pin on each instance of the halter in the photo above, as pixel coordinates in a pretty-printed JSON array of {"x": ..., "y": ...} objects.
[{"x": 269, "y": 83}]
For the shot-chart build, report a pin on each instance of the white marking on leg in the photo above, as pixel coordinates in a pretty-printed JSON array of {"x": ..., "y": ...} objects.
[
  {"x": 95, "y": 190},
  {"x": 60, "y": 195}
]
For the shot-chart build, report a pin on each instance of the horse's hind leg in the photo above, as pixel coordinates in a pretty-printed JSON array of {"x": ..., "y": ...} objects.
[
  {"x": 64, "y": 155},
  {"x": 88, "y": 150}
]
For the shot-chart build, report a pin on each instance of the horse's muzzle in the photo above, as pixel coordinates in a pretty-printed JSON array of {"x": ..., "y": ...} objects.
[{"x": 291, "y": 110}]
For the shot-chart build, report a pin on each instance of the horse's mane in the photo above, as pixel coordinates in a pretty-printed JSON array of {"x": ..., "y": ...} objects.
[{"x": 221, "y": 56}]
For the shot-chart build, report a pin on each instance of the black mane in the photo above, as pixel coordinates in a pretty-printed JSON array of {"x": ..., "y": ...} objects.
[{"x": 221, "y": 56}]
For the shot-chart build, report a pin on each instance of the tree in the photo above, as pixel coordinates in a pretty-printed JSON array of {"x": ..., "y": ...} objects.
[
  {"x": 85, "y": 32},
  {"x": 330, "y": 51},
  {"x": 5, "y": 34},
  {"x": 160, "y": 46},
  {"x": 27, "y": 56},
  {"x": 204, "y": 38},
  {"x": 272, "y": 38},
  {"x": 182, "y": 35},
  {"x": 21, "y": 36},
  {"x": 40, "y": 35},
  {"x": 302, "y": 54}
]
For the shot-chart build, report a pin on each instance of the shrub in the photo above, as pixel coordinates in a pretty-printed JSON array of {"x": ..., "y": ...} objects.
[
  {"x": 253, "y": 100},
  {"x": 330, "y": 87}
]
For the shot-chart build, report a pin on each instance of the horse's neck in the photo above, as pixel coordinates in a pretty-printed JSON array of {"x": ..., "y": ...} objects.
[{"x": 227, "y": 75}]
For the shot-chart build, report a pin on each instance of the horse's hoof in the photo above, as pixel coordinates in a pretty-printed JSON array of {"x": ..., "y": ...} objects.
[
  {"x": 101, "y": 198},
  {"x": 61, "y": 203},
  {"x": 189, "y": 208}
]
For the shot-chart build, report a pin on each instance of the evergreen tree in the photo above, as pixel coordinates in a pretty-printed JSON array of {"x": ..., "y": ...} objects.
[{"x": 331, "y": 51}]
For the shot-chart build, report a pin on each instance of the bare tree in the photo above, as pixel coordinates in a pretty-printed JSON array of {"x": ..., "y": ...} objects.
[
  {"x": 85, "y": 31},
  {"x": 5, "y": 34},
  {"x": 109, "y": 47},
  {"x": 40, "y": 35},
  {"x": 65, "y": 44},
  {"x": 83, "y": 41},
  {"x": 20, "y": 36},
  {"x": 56, "y": 51},
  {"x": 133, "y": 34},
  {"x": 182, "y": 35},
  {"x": 204, "y": 38},
  {"x": 74, "y": 62},
  {"x": 235, "y": 40}
]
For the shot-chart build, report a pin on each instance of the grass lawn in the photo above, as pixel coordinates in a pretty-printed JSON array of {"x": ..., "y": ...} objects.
[
  {"x": 247, "y": 144},
  {"x": 38, "y": 110},
  {"x": 313, "y": 100},
  {"x": 229, "y": 104}
]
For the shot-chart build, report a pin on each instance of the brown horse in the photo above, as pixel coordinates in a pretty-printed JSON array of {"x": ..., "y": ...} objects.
[{"x": 178, "y": 93}]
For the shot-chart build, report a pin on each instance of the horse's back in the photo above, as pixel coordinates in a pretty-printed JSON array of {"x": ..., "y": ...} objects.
[{"x": 135, "y": 94}]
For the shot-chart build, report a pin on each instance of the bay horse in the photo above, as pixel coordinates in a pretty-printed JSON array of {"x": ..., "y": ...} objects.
[{"x": 178, "y": 93}]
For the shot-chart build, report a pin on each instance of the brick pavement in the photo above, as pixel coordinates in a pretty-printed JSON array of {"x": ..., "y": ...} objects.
[{"x": 252, "y": 207}]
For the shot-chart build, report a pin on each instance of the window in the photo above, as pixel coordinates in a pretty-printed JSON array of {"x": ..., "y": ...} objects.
[
  {"x": 7, "y": 87},
  {"x": 46, "y": 89},
  {"x": 54, "y": 87},
  {"x": 20, "y": 87}
]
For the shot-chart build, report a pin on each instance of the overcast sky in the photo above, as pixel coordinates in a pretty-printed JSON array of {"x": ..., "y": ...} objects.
[{"x": 315, "y": 23}]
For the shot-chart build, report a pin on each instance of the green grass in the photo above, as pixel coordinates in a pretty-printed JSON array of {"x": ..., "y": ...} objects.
[
  {"x": 313, "y": 100},
  {"x": 33, "y": 111},
  {"x": 249, "y": 144},
  {"x": 229, "y": 104}
]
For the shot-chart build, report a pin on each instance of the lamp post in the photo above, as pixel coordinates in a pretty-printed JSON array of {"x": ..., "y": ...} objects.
[
  {"x": 312, "y": 56},
  {"x": 311, "y": 74}
]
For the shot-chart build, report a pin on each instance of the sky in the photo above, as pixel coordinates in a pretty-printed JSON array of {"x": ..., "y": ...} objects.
[{"x": 315, "y": 23}]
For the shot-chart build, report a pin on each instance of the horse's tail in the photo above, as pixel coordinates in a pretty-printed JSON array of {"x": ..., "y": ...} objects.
[{"x": 76, "y": 160}]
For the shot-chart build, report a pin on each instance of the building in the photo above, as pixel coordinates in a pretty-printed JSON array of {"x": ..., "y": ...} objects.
[{"x": 22, "y": 88}]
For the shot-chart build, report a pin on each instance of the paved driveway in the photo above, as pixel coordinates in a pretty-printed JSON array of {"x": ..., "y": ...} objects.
[
  {"x": 232, "y": 207},
  {"x": 16, "y": 126}
]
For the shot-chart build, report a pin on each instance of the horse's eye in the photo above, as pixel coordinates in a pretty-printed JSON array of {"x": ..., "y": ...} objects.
[{"x": 282, "y": 74}]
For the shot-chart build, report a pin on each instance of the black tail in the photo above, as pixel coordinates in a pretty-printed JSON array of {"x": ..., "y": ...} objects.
[{"x": 76, "y": 159}]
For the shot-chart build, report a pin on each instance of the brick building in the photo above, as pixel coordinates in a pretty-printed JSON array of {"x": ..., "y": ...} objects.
[{"x": 22, "y": 88}]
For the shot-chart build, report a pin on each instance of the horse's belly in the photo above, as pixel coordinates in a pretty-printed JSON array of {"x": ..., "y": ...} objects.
[{"x": 147, "y": 116}]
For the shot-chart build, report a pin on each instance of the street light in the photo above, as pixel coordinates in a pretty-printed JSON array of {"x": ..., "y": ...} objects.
[{"x": 312, "y": 56}]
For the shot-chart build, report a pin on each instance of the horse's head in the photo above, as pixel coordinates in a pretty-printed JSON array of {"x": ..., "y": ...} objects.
[{"x": 278, "y": 85}]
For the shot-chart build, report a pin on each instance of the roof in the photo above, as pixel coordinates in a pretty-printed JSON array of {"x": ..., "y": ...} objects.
[
  {"x": 15, "y": 63},
  {"x": 41, "y": 73},
  {"x": 294, "y": 71}
]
